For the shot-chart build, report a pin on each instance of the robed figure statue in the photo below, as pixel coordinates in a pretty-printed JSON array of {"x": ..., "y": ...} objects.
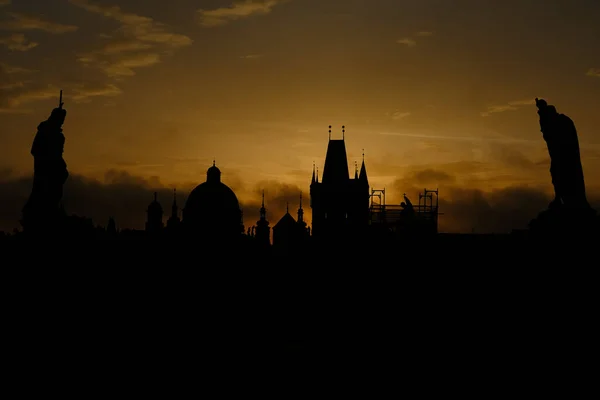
[
  {"x": 565, "y": 161},
  {"x": 43, "y": 210}
]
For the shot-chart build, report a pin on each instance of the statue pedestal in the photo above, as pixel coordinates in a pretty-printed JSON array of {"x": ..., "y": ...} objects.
[{"x": 566, "y": 222}]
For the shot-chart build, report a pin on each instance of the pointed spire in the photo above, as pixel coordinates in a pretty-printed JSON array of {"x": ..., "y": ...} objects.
[
  {"x": 343, "y": 132},
  {"x": 363, "y": 170},
  {"x": 355, "y": 170},
  {"x": 214, "y": 163},
  {"x": 313, "y": 176},
  {"x": 317, "y": 175},
  {"x": 300, "y": 211},
  {"x": 329, "y": 132},
  {"x": 174, "y": 195},
  {"x": 263, "y": 210}
]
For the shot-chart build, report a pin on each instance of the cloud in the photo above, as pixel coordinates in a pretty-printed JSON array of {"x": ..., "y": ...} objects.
[
  {"x": 251, "y": 56},
  {"x": 595, "y": 72},
  {"x": 466, "y": 209},
  {"x": 126, "y": 65},
  {"x": 398, "y": 115},
  {"x": 238, "y": 10},
  {"x": 11, "y": 77},
  {"x": 510, "y": 106},
  {"x": 125, "y": 197},
  {"x": 4, "y": 2},
  {"x": 21, "y": 22},
  {"x": 425, "y": 33},
  {"x": 12, "y": 69},
  {"x": 17, "y": 42},
  {"x": 139, "y": 41},
  {"x": 20, "y": 94},
  {"x": 407, "y": 42}
]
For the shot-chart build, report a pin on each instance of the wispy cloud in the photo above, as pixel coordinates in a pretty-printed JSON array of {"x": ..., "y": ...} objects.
[
  {"x": 595, "y": 72},
  {"x": 139, "y": 41},
  {"x": 251, "y": 56},
  {"x": 13, "y": 69},
  {"x": 21, "y": 22},
  {"x": 238, "y": 10},
  {"x": 410, "y": 42},
  {"x": 14, "y": 101},
  {"x": 398, "y": 115},
  {"x": 407, "y": 42},
  {"x": 510, "y": 106},
  {"x": 17, "y": 42}
]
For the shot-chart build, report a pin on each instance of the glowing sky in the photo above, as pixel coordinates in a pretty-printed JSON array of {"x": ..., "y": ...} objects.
[{"x": 437, "y": 92}]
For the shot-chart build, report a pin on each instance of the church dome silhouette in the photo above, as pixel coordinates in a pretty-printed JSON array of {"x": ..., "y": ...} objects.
[{"x": 212, "y": 208}]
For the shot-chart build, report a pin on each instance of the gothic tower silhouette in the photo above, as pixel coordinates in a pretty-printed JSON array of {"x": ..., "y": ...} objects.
[{"x": 340, "y": 205}]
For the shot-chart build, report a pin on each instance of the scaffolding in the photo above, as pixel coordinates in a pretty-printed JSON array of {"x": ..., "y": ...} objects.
[{"x": 406, "y": 217}]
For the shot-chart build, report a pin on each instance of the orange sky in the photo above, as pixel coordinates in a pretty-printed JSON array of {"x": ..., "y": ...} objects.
[{"x": 438, "y": 93}]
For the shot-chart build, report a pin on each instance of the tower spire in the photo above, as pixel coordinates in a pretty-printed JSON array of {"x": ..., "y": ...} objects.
[
  {"x": 263, "y": 210},
  {"x": 329, "y": 132},
  {"x": 343, "y": 132},
  {"x": 300, "y": 211},
  {"x": 313, "y": 176}
]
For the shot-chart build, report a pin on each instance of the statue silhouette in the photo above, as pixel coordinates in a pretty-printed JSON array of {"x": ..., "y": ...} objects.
[
  {"x": 565, "y": 161},
  {"x": 43, "y": 209}
]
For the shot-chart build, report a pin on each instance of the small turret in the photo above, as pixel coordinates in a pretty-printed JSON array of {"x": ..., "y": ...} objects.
[{"x": 154, "y": 215}]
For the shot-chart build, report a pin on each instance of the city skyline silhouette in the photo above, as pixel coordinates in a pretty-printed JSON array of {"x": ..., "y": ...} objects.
[
  {"x": 308, "y": 182},
  {"x": 266, "y": 124}
]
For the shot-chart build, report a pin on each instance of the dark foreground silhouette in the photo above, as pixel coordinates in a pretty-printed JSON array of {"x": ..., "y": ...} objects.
[
  {"x": 569, "y": 213},
  {"x": 447, "y": 310}
]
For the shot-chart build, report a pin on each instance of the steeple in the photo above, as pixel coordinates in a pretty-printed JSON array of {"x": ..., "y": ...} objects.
[
  {"x": 317, "y": 175},
  {"x": 355, "y": 170},
  {"x": 262, "y": 229},
  {"x": 313, "y": 176},
  {"x": 300, "y": 211},
  {"x": 263, "y": 210},
  {"x": 363, "y": 171},
  {"x": 174, "y": 220}
]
